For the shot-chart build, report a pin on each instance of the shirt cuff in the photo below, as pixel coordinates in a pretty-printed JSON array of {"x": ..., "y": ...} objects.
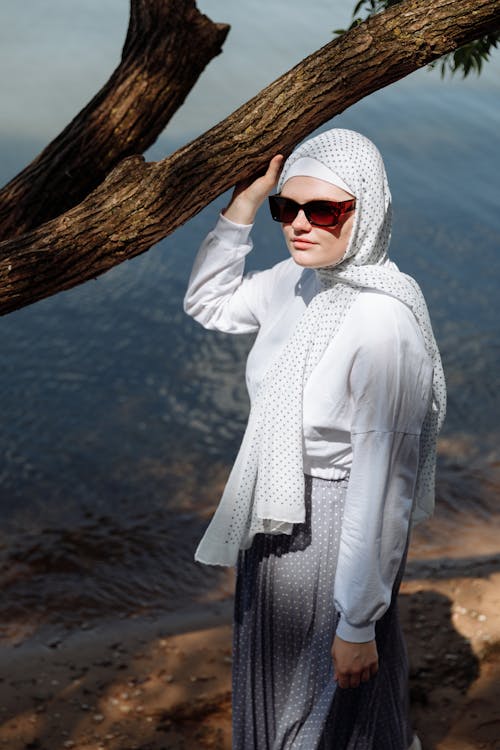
[
  {"x": 355, "y": 633},
  {"x": 230, "y": 233}
]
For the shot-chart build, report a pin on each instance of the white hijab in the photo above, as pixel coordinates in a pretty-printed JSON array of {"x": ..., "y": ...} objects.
[{"x": 265, "y": 490}]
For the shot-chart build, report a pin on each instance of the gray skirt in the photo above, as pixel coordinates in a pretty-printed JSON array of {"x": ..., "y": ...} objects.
[{"x": 284, "y": 695}]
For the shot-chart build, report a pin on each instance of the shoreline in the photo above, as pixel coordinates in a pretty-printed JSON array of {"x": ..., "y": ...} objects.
[
  {"x": 158, "y": 682},
  {"x": 115, "y": 684}
]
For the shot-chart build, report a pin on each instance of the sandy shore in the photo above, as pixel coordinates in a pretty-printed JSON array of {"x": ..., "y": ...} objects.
[{"x": 153, "y": 684}]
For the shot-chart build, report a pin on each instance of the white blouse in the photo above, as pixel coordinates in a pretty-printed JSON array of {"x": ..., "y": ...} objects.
[{"x": 363, "y": 409}]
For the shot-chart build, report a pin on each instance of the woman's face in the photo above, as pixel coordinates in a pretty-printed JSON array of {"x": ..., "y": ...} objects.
[{"x": 311, "y": 246}]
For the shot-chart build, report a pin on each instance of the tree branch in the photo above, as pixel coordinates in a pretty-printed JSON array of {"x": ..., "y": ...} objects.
[
  {"x": 140, "y": 203},
  {"x": 168, "y": 44}
]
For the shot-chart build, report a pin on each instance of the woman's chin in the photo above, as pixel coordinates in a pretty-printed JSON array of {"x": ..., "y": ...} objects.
[{"x": 305, "y": 258}]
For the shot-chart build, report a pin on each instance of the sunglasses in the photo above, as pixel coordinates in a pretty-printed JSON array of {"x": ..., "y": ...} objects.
[{"x": 319, "y": 213}]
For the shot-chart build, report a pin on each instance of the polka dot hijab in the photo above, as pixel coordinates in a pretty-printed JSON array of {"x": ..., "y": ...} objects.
[{"x": 265, "y": 490}]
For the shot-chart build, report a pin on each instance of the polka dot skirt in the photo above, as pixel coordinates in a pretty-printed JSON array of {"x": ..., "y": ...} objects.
[{"x": 284, "y": 696}]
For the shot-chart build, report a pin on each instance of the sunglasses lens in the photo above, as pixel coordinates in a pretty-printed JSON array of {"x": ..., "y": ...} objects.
[
  {"x": 282, "y": 209},
  {"x": 322, "y": 214}
]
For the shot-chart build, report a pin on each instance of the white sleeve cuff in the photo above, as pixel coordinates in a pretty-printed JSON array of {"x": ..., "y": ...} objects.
[
  {"x": 355, "y": 633},
  {"x": 230, "y": 233}
]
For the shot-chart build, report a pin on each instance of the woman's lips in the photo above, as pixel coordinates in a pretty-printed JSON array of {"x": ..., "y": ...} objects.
[{"x": 301, "y": 243}]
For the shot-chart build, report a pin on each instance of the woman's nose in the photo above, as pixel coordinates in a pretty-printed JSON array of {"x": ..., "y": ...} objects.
[{"x": 301, "y": 221}]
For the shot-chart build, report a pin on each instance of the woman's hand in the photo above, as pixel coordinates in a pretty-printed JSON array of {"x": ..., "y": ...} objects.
[
  {"x": 248, "y": 195},
  {"x": 354, "y": 662}
]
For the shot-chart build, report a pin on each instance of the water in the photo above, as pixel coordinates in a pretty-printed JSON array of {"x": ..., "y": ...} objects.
[{"x": 121, "y": 416}]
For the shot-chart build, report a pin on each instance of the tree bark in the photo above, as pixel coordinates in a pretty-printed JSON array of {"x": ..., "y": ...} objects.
[
  {"x": 140, "y": 203},
  {"x": 168, "y": 44}
]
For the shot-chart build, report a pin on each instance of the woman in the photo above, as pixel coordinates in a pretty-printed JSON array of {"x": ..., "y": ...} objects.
[{"x": 347, "y": 395}]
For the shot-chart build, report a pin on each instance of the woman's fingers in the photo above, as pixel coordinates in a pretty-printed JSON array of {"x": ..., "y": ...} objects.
[
  {"x": 262, "y": 185},
  {"x": 260, "y": 188},
  {"x": 354, "y": 663},
  {"x": 352, "y": 680},
  {"x": 248, "y": 195},
  {"x": 274, "y": 169}
]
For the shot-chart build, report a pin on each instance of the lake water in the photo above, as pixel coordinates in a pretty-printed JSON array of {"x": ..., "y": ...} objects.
[{"x": 121, "y": 416}]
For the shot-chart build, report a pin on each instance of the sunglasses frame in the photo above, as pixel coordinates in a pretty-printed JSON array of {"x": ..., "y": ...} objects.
[{"x": 339, "y": 208}]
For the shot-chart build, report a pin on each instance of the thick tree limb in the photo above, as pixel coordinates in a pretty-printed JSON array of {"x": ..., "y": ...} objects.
[
  {"x": 140, "y": 203},
  {"x": 168, "y": 44}
]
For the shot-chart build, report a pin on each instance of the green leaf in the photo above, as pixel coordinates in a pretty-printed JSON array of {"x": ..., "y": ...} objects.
[{"x": 358, "y": 7}]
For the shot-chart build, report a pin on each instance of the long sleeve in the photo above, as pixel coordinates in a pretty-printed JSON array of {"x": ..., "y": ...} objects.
[
  {"x": 390, "y": 387},
  {"x": 219, "y": 296}
]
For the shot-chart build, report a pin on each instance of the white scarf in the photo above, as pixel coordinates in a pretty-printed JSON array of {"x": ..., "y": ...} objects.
[{"x": 265, "y": 490}]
